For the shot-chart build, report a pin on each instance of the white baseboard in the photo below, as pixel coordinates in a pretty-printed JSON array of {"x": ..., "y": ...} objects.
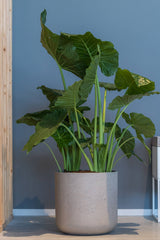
[
  {"x": 134, "y": 212},
  {"x": 51, "y": 212},
  {"x": 33, "y": 212}
]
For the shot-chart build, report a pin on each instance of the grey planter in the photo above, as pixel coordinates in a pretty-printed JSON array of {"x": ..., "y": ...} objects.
[{"x": 86, "y": 203}]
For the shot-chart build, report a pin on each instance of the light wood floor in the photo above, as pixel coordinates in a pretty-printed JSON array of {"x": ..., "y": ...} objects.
[{"x": 33, "y": 228}]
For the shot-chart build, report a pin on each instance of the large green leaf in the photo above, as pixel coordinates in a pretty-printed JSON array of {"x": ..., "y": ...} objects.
[
  {"x": 119, "y": 102},
  {"x": 140, "y": 85},
  {"x": 74, "y": 52},
  {"x": 62, "y": 137},
  {"x": 32, "y": 119},
  {"x": 108, "y": 86},
  {"x": 134, "y": 83},
  {"x": 46, "y": 127},
  {"x": 80, "y": 90},
  {"x": 128, "y": 146},
  {"x": 70, "y": 98},
  {"x": 139, "y": 136},
  {"x": 51, "y": 94},
  {"x": 142, "y": 124},
  {"x": 89, "y": 79},
  {"x": 83, "y": 109}
]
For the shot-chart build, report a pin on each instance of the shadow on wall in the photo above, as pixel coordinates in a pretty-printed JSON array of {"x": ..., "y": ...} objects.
[
  {"x": 30, "y": 203},
  {"x": 37, "y": 226}
]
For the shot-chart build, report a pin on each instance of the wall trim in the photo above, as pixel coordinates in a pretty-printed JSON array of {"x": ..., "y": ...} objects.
[
  {"x": 33, "y": 212},
  {"x": 51, "y": 212},
  {"x": 134, "y": 212}
]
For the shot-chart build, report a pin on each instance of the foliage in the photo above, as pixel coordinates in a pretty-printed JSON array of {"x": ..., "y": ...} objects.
[{"x": 82, "y": 55}]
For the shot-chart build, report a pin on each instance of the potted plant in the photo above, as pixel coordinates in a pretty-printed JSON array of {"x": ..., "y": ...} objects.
[{"x": 86, "y": 201}]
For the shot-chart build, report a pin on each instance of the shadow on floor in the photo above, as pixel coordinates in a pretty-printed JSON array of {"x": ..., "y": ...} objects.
[
  {"x": 150, "y": 218},
  {"x": 37, "y": 226},
  {"x": 126, "y": 228}
]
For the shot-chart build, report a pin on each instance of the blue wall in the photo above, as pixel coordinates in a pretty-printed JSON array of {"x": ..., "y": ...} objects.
[{"x": 133, "y": 27}]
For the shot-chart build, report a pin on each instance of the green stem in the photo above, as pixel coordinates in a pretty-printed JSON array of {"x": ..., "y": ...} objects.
[
  {"x": 79, "y": 136},
  {"x": 64, "y": 159},
  {"x": 85, "y": 122},
  {"x": 89, "y": 147},
  {"x": 68, "y": 160},
  {"x": 124, "y": 155},
  {"x": 79, "y": 160},
  {"x": 95, "y": 133},
  {"x": 110, "y": 151},
  {"x": 100, "y": 112},
  {"x": 59, "y": 168},
  {"x": 104, "y": 112},
  {"x": 74, "y": 144},
  {"x": 118, "y": 142},
  {"x": 87, "y": 159},
  {"x": 111, "y": 144},
  {"x": 110, "y": 135},
  {"x": 120, "y": 147},
  {"x": 62, "y": 76},
  {"x": 77, "y": 121}
]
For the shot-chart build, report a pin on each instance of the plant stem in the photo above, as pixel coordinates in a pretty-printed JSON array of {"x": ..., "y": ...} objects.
[
  {"x": 100, "y": 112},
  {"x": 110, "y": 151},
  {"x": 111, "y": 166},
  {"x": 110, "y": 135},
  {"x": 119, "y": 140},
  {"x": 77, "y": 121},
  {"x": 95, "y": 133},
  {"x": 124, "y": 155},
  {"x": 68, "y": 160},
  {"x": 79, "y": 134},
  {"x": 104, "y": 112},
  {"x": 59, "y": 168},
  {"x": 74, "y": 144},
  {"x": 64, "y": 159},
  {"x": 86, "y": 121},
  {"x": 89, "y": 147},
  {"x": 111, "y": 145},
  {"x": 62, "y": 76},
  {"x": 87, "y": 159}
]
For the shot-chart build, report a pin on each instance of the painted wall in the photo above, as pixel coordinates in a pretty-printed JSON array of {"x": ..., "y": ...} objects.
[{"x": 133, "y": 27}]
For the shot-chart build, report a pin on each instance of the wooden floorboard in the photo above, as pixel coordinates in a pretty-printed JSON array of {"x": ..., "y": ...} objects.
[{"x": 128, "y": 228}]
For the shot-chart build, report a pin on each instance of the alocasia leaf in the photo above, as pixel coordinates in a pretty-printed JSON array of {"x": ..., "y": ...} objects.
[
  {"x": 51, "y": 94},
  {"x": 108, "y": 86},
  {"x": 32, "y": 119},
  {"x": 74, "y": 52},
  {"x": 62, "y": 137},
  {"x": 142, "y": 124},
  {"x": 46, "y": 127},
  {"x": 121, "y": 101},
  {"x": 70, "y": 98},
  {"x": 80, "y": 90},
  {"x": 134, "y": 83}
]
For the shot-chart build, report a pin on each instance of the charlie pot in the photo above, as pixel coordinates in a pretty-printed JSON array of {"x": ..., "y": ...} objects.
[{"x": 86, "y": 203}]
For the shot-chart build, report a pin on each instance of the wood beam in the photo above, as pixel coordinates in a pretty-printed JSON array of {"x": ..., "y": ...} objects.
[{"x": 5, "y": 112}]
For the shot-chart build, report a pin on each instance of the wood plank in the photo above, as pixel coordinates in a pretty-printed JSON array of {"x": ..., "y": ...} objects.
[
  {"x": 5, "y": 111},
  {"x": 1, "y": 165}
]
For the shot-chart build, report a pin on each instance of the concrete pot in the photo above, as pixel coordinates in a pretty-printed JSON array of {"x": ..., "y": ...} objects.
[{"x": 86, "y": 203}]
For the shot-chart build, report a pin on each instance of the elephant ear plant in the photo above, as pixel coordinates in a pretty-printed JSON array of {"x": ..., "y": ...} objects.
[{"x": 64, "y": 120}]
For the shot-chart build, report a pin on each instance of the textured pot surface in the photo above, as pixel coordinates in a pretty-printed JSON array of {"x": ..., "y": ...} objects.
[{"x": 86, "y": 203}]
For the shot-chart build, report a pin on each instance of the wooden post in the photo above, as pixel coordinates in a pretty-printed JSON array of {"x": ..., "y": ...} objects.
[{"x": 5, "y": 112}]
